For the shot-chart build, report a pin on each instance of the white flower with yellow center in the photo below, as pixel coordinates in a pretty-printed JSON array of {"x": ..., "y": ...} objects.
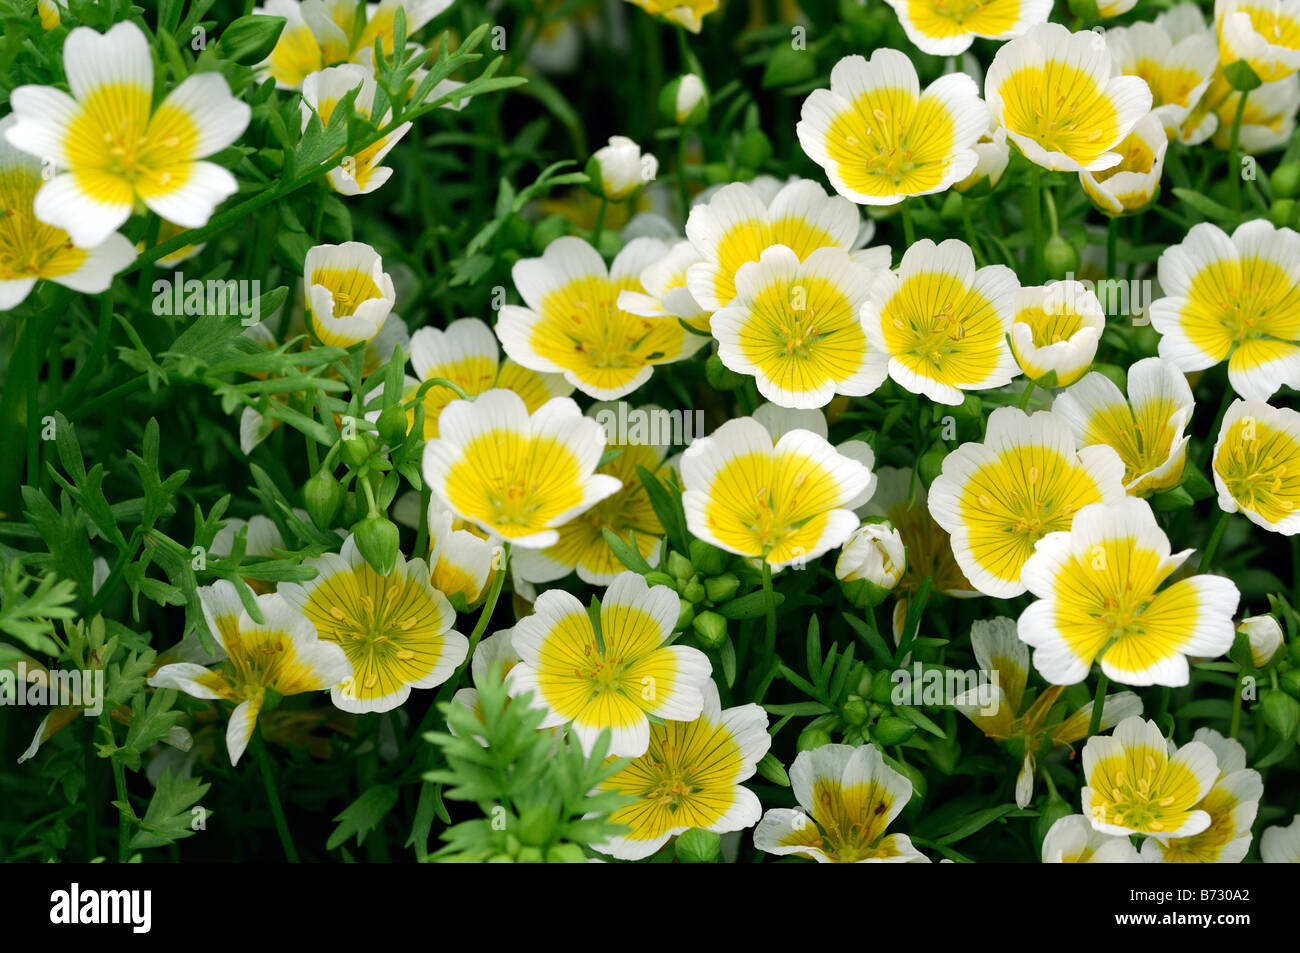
[
  {"x": 1073, "y": 840},
  {"x": 282, "y": 652},
  {"x": 948, "y": 27},
  {"x": 462, "y": 562},
  {"x": 1135, "y": 786},
  {"x": 1234, "y": 299},
  {"x": 349, "y": 296},
  {"x": 796, "y": 327},
  {"x": 1055, "y": 332},
  {"x": 1281, "y": 845},
  {"x": 32, "y": 251},
  {"x": 1265, "y": 635},
  {"x": 517, "y": 476},
  {"x": 1175, "y": 56},
  {"x": 1265, "y": 34},
  {"x": 1133, "y": 184},
  {"x": 321, "y": 33},
  {"x": 1146, "y": 430},
  {"x": 467, "y": 354},
  {"x": 738, "y": 222},
  {"x": 1101, "y": 592},
  {"x": 847, "y": 798},
  {"x": 690, "y": 778},
  {"x": 881, "y": 139},
  {"x": 113, "y": 148},
  {"x": 992, "y": 156},
  {"x": 612, "y": 679},
  {"x": 665, "y": 291},
  {"x": 395, "y": 630},
  {"x": 1268, "y": 120},
  {"x": 998, "y": 498},
  {"x": 628, "y": 512},
  {"x": 358, "y": 174},
  {"x": 1256, "y": 465},
  {"x": 573, "y": 324},
  {"x": 1232, "y": 804},
  {"x": 1113, "y": 8},
  {"x": 786, "y": 502},
  {"x": 943, "y": 322},
  {"x": 1054, "y": 93},
  {"x": 687, "y": 13}
]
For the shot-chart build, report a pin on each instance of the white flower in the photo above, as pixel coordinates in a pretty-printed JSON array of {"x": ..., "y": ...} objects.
[
  {"x": 1265, "y": 635},
  {"x": 621, "y": 168},
  {"x": 875, "y": 553}
]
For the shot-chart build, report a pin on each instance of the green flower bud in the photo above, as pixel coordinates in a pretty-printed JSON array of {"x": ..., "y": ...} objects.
[
  {"x": 657, "y": 578},
  {"x": 1060, "y": 257},
  {"x": 698, "y": 847},
  {"x": 1241, "y": 76},
  {"x": 892, "y": 730},
  {"x": 854, "y": 711},
  {"x": 680, "y": 567},
  {"x": 536, "y": 824},
  {"x": 323, "y": 496},
  {"x": 787, "y": 66},
  {"x": 547, "y": 231},
  {"x": 392, "y": 425},
  {"x": 707, "y": 559},
  {"x": 377, "y": 540},
  {"x": 693, "y": 592},
  {"x": 755, "y": 148},
  {"x": 1286, "y": 180},
  {"x": 721, "y": 588},
  {"x": 865, "y": 682},
  {"x": 720, "y": 377},
  {"x": 684, "y": 101},
  {"x": 530, "y": 855},
  {"x": 566, "y": 853},
  {"x": 685, "y": 617},
  {"x": 1085, "y": 10},
  {"x": 882, "y": 688},
  {"x": 710, "y": 628},
  {"x": 1281, "y": 713},
  {"x": 931, "y": 463},
  {"x": 357, "y": 450},
  {"x": 1055, "y": 809},
  {"x": 812, "y": 738},
  {"x": 1290, "y": 682},
  {"x": 1282, "y": 212}
]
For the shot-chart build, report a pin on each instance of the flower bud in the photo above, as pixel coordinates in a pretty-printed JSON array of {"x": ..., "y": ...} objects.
[
  {"x": 357, "y": 450},
  {"x": 1060, "y": 257},
  {"x": 854, "y": 711},
  {"x": 1282, "y": 213},
  {"x": 874, "y": 554},
  {"x": 657, "y": 578},
  {"x": 1286, "y": 180},
  {"x": 323, "y": 496},
  {"x": 684, "y": 101},
  {"x": 1290, "y": 682},
  {"x": 721, "y": 377},
  {"x": 685, "y": 616},
  {"x": 693, "y": 591},
  {"x": 721, "y": 588},
  {"x": 892, "y": 730},
  {"x": 710, "y": 628},
  {"x": 698, "y": 846},
  {"x": 680, "y": 567},
  {"x": 1281, "y": 713},
  {"x": 706, "y": 558},
  {"x": 377, "y": 540},
  {"x": 566, "y": 853},
  {"x": 812, "y": 738},
  {"x": 392, "y": 425},
  {"x": 536, "y": 825},
  {"x": 619, "y": 169},
  {"x": 1265, "y": 636}
]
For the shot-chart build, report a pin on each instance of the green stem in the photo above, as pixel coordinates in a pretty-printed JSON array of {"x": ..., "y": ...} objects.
[
  {"x": 1112, "y": 247},
  {"x": 1099, "y": 700},
  {"x": 769, "y": 609},
  {"x": 273, "y": 797},
  {"x": 1035, "y": 207},
  {"x": 1234, "y": 151},
  {"x": 1235, "y": 725},
  {"x": 681, "y": 173},
  {"x": 600, "y": 223},
  {"x": 971, "y": 239},
  {"x": 909, "y": 231},
  {"x": 1216, "y": 535},
  {"x": 1028, "y": 392}
]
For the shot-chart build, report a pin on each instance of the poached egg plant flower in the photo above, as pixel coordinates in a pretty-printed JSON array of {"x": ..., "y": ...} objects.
[
  {"x": 282, "y": 652},
  {"x": 1256, "y": 465},
  {"x": 785, "y": 501},
  {"x": 610, "y": 679},
  {"x": 881, "y": 139},
  {"x": 949, "y": 27},
  {"x": 349, "y": 295},
  {"x": 517, "y": 476},
  {"x": 1101, "y": 593},
  {"x": 1055, "y": 332},
  {"x": 114, "y": 149},
  {"x": 1055, "y": 94}
]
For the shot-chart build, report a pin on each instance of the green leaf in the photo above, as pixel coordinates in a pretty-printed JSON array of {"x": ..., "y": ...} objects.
[
  {"x": 171, "y": 815},
  {"x": 773, "y": 770},
  {"x": 363, "y": 815},
  {"x": 249, "y": 39}
]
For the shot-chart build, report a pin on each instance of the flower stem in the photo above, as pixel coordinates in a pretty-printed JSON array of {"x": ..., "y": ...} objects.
[
  {"x": 909, "y": 230},
  {"x": 1028, "y": 392},
  {"x": 1216, "y": 535},
  {"x": 769, "y": 602},
  {"x": 1112, "y": 247},
  {"x": 1235, "y": 725},
  {"x": 1099, "y": 700},
  {"x": 273, "y": 797},
  {"x": 1234, "y": 151},
  {"x": 600, "y": 223},
  {"x": 1035, "y": 199}
]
